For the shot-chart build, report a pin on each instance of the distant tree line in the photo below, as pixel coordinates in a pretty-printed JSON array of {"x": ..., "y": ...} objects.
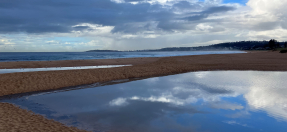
[
  {"x": 238, "y": 45},
  {"x": 273, "y": 44}
]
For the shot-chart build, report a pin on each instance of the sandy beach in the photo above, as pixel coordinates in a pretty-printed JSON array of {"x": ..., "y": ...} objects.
[{"x": 15, "y": 83}]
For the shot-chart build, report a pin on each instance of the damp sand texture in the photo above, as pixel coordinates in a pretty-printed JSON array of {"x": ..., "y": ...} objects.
[{"x": 15, "y": 119}]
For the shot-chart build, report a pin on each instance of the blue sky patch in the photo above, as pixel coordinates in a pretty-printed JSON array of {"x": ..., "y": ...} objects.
[{"x": 243, "y": 2}]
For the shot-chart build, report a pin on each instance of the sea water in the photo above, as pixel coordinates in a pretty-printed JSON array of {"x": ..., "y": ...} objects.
[{"x": 44, "y": 56}]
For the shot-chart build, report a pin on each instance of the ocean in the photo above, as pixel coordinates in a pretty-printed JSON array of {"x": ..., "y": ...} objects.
[{"x": 44, "y": 56}]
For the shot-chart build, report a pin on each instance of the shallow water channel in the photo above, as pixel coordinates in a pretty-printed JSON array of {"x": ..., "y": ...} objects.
[
  {"x": 216, "y": 101},
  {"x": 3, "y": 71}
]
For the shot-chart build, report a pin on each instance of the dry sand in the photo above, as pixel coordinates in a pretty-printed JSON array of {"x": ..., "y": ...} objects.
[{"x": 13, "y": 83}]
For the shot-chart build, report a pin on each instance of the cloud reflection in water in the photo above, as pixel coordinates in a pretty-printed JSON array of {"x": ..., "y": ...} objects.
[{"x": 221, "y": 100}]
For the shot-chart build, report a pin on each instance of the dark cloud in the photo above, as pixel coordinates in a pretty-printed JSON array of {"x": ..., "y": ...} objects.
[
  {"x": 182, "y": 5},
  {"x": 41, "y": 16},
  {"x": 204, "y": 14},
  {"x": 266, "y": 26},
  {"x": 217, "y": 29},
  {"x": 78, "y": 28},
  {"x": 174, "y": 25},
  {"x": 284, "y": 25},
  {"x": 130, "y": 28},
  {"x": 211, "y": 90},
  {"x": 218, "y": 9},
  {"x": 187, "y": 6},
  {"x": 196, "y": 17},
  {"x": 59, "y": 16}
]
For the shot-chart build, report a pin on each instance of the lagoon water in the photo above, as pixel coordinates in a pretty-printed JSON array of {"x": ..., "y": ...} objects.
[
  {"x": 215, "y": 101},
  {"x": 43, "y": 56}
]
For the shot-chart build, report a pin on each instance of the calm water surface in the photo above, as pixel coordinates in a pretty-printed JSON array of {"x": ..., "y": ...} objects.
[
  {"x": 4, "y": 71},
  {"x": 43, "y": 56},
  {"x": 217, "y": 101}
]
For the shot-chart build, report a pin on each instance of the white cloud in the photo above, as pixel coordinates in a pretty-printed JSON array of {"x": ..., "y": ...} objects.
[
  {"x": 164, "y": 99},
  {"x": 6, "y": 41},
  {"x": 203, "y": 27},
  {"x": 235, "y": 123},
  {"x": 268, "y": 7},
  {"x": 118, "y": 1},
  {"x": 118, "y": 102},
  {"x": 263, "y": 91},
  {"x": 273, "y": 100}
]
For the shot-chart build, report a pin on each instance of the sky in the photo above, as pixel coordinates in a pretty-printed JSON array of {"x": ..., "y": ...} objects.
[{"x": 75, "y": 26}]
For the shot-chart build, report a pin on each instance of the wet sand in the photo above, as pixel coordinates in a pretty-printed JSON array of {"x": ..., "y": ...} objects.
[
  {"x": 14, "y": 119},
  {"x": 142, "y": 67},
  {"x": 72, "y": 63}
]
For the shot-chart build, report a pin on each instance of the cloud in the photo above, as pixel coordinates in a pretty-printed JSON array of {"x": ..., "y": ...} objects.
[
  {"x": 262, "y": 91},
  {"x": 218, "y": 9},
  {"x": 267, "y": 15},
  {"x": 80, "y": 28},
  {"x": 135, "y": 0},
  {"x": 275, "y": 7},
  {"x": 118, "y": 102},
  {"x": 263, "y": 26},
  {"x": 240, "y": 114},
  {"x": 136, "y": 116},
  {"x": 171, "y": 26},
  {"x": 60, "y": 16},
  {"x": 139, "y": 24},
  {"x": 226, "y": 105},
  {"x": 185, "y": 6},
  {"x": 270, "y": 99},
  {"x": 209, "y": 11},
  {"x": 170, "y": 96},
  {"x": 236, "y": 123}
]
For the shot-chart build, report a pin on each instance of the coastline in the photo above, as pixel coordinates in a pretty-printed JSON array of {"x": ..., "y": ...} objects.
[{"x": 13, "y": 83}]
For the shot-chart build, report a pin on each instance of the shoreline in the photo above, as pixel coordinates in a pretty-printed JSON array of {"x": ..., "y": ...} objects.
[
  {"x": 14, "y": 118},
  {"x": 87, "y": 62}
]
